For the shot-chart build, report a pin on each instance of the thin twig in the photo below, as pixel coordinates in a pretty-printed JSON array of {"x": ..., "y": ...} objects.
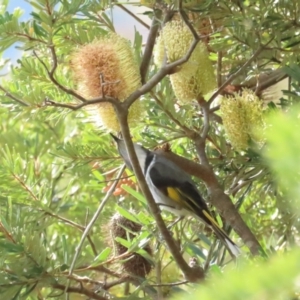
[
  {"x": 52, "y": 78},
  {"x": 219, "y": 68},
  {"x": 165, "y": 70},
  {"x": 25, "y": 187},
  {"x": 30, "y": 38},
  {"x": 109, "y": 285},
  {"x": 158, "y": 279},
  {"x": 132, "y": 15},
  {"x": 170, "y": 284},
  {"x": 205, "y": 110},
  {"x": 9, "y": 95},
  {"x": 150, "y": 45},
  {"x": 76, "y": 225},
  {"x": 75, "y": 106},
  {"x": 91, "y": 223},
  {"x": 238, "y": 72},
  {"x": 78, "y": 290},
  {"x": 188, "y": 131},
  {"x": 187, "y": 22}
]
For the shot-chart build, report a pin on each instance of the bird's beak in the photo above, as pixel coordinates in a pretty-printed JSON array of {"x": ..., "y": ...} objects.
[{"x": 122, "y": 151}]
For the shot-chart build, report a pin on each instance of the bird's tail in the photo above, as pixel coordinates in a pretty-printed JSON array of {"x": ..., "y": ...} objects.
[{"x": 221, "y": 234}]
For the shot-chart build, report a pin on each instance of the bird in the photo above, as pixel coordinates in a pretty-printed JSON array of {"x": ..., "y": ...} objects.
[{"x": 173, "y": 189}]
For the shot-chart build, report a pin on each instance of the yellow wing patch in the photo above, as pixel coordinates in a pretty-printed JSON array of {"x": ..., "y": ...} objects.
[{"x": 174, "y": 194}]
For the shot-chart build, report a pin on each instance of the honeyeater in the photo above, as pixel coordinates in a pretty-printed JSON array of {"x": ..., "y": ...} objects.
[{"x": 173, "y": 189}]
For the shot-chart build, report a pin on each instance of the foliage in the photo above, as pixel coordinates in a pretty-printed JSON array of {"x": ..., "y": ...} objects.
[{"x": 56, "y": 166}]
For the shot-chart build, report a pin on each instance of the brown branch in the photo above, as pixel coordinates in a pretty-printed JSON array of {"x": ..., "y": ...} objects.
[
  {"x": 78, "y": 290},
  {"x": 101, "y": 269},
  {"x": 109, "y": 285},
  {"x": 217, "y": 198},
  {"x": 189, "y": 166},
  {"x": 165, "y": 70},
  {"x": 190, "y": 273},
  {"x": 270, "y": 80},
  {"x": 52, "y": 78},
  {"x": 11, "y": 96},
  {"x": 187, "y": 130},
  {"x": 132, "y": 15},
  {"x": 74, "y": 106},
  {"x": 238, "y": 72},
  {"x": 187, "y": 22},
  {"x": 205, "y": 110},
  {"x": 6, "y": 233},
  {"x": 92, "y": 221},
  {"x": 219, "y": 68},
  {"x": 78, "y": 226},
  {"x": 150, "y": 45},
  {"x": 83, "y": 279},
  {"x": 30, "y": 38},
  {"x": 170, "y": 284},
  {"x": 25, "y": 187}
]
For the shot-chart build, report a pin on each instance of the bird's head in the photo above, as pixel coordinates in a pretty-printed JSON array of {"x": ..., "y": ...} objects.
[{"x": 140, "y": 151}]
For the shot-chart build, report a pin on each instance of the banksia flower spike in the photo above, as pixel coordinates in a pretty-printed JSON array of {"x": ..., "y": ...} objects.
[
  {"x": 137, "y": 264},
  {"x": 107, "y": 67},
  {"x": 242, "y": 118},
  {"x": 195, "y": 77}
]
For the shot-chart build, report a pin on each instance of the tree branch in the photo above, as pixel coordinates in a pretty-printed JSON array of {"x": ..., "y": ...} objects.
[
  {"x": 190, "y": 273},
  {"x": 91, "y": 223},
  {"x": 187, "y": 130},
  {"x": 165, "y": 70},
  {"x": 217, "y": 198},
  {"x": 238, "y": 72},
  {"x": 11, "y": 96},
  {"x": 78, "y": 290},
  {"x": 74, "y": 224},
  {"x": 51, "y": 74},
  {"x": 132, "y": 15},
  {"x": 75, "y": 106},
  {"x": 150, "y": 45}
]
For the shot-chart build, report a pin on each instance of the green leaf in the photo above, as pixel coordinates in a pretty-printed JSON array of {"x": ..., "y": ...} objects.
[
  {"x": 127, "y": 214},
  {"x": 123, "y": 242},
  {"x": 193, "y": 250},
  {"x": 102, "y": 256},
  {"x": 11, "y": 247},
  {"x": 134, "y": 193}
]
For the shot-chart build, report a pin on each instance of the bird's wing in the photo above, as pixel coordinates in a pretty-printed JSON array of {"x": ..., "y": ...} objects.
[{"x": 178, "y": 186}]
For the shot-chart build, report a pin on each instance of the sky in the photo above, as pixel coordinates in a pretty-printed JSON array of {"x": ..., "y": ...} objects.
[{"x": 124, "y": 24}]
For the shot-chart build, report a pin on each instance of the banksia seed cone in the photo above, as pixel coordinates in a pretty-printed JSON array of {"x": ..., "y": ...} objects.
[
  {"x": 242, "y": 118},
  {"x": 137, "y": 265},
  {"x": 107, "y": 67},
  {"x": 195, "y": 77}
]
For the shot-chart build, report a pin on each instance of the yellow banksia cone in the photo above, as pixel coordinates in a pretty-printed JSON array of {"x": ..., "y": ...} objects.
[
  {"x": 107, "y": 67},
  {"x": 136, "y": 264},
  {"x": 195, "y": 77},
  {"x": 242, "y": 118}
]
